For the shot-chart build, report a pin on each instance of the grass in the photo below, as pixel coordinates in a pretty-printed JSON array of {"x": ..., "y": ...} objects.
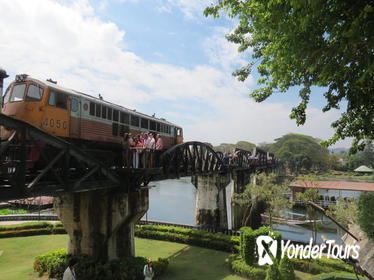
[
  {"x": 17, "y": 256},
  {"x": 186, "y": 262}
]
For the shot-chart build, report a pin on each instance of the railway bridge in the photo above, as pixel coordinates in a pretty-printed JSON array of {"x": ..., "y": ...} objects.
[{"x": 99, "y": 201}]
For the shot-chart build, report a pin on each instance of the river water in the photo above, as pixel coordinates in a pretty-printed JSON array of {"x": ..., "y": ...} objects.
[{"x": 173, "y": 201}]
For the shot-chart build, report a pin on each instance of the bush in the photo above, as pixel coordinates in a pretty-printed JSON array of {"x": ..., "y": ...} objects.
[
  {"x": 54, "y": 264},
  {"x": 248, "y": 238},
  {"x": 12, "y": 212},
  {"x": 336, "y": 276},
  {"x": 323, "y": 265},
  {"x": 31, "y": 228},
  {"x": 273, "y": 273},
  {"x": 366, "y": 214},
  {"x": 238, "y": 266},
  {"x": 199, "y": 238},
  {"x": 30, "y": 225},
  {"x": 286, "y": 269}
]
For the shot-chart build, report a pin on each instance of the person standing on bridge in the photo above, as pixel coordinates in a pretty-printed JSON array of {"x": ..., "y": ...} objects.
[
  {"x": 69, "y": 273},
  {"x": 148, "y": 270},
  {"x": 159, "y": 142}
]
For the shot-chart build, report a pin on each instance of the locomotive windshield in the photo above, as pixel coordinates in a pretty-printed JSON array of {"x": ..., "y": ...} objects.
[{"x": 18, "y": 92}]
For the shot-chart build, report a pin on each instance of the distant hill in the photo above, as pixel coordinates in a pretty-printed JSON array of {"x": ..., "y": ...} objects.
[{"x": 226, "y": 147}]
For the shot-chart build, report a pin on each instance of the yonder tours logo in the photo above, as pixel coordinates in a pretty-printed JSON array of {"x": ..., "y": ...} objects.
[{"x": 267, "y": 250}]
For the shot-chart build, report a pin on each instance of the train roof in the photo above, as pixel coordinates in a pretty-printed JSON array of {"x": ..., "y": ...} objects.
[{"x": 53, "y": 85}]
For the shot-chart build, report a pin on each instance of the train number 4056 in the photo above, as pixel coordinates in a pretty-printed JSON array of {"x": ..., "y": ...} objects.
[{"x": 55, "y": 123}]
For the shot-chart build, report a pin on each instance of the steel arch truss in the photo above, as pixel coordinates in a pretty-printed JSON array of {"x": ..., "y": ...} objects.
[
  {"x": 33, "y": 162},
  {"x": 191, "y": 158}
]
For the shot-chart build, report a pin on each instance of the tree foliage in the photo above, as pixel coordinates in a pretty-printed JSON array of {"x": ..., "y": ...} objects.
[
  {"x": 345, "y": 212},
  {"x": 365, "y": 157},
  {"x": 225, "y": 147},
  {"x": 299, "y": 152},
  {"x": 304, "y": 43},
  {"x": 266, "y": 189},
  {"x": 366, "y": 214}
]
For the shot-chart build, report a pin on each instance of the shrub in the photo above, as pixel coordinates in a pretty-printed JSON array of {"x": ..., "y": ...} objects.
[
  {"x": 323, "y": 265},
  {"x": 12, "y": 212},
  {"x": 54, "y": 264},
  {"x": 238, "y": 266},
  {"x": 248, "y": 242},
  {"x": 200, "y": 238},
  {"x": 286, "y": 270},
  {"x": 366, "y": 214},
  {"x": 273, "y": 273},
  {"x": 30, "y": 225}
]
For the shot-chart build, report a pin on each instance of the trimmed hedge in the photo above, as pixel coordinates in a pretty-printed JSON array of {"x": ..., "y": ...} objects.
[
  {"x": 238, "y": 266},
  {"x": 323, "y": 265},
  {"x": 30, "y": 225},
  {"x": 199, "y": 238},
  {"x": 55, "y": 262},
  {"x": 335, "y": 276},
  {"x": 31, "y": 228},
  {"x": 248, "y": 236}
]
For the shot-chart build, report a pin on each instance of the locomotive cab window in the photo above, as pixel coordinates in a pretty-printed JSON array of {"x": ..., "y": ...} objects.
[
  {"x": 58, "y": 99},
  {"x": 7, "y": 95},
  {"x": 18, "y": 93},
  {"x": 34, "y": 93}
]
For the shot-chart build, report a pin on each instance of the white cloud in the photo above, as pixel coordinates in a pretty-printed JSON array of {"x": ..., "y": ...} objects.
[
  {"x": 192, "y": 9},
  {"x": 222, "y": 52},
  {"x": 69, "y": 43}
]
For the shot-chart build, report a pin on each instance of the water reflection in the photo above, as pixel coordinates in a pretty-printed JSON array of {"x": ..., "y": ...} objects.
[{"x": 173, "y": 201}]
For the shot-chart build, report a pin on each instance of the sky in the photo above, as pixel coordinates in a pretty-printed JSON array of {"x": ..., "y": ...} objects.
[{"x": 161, "y": 57}]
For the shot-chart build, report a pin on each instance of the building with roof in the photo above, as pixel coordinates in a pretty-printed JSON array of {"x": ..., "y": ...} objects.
[
  {"x": 331, "y": 191},
  {"x": 364, "y": 170}
]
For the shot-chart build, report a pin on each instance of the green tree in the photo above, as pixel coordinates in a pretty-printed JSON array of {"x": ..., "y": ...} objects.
[
  {"x": 300, "y": 152},
  {"x": 345, "y": 212},
  {"x": 266, "y": 189},
  {"x": 309, "y": 195},
  {"x": 366, "y": 214},
  {"x": 226, "y": 147},
  {"x": 328, "y": 44}
]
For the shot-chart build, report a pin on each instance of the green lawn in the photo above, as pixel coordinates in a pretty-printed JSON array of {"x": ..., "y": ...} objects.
[{"x": 17, "y": 255}]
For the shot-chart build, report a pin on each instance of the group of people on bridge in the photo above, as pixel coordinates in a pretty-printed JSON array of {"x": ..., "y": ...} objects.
[{"x": 139, "y": 151}]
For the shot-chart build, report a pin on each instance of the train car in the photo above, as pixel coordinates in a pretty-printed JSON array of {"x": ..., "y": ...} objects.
[{"x": 78, "y": 117}]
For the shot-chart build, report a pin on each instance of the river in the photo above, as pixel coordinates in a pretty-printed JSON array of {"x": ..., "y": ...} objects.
[{"x": 174, "y": 201}]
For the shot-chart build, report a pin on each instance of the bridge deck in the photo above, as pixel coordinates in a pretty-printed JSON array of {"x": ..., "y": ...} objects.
[{"x": 34, "y": 163}]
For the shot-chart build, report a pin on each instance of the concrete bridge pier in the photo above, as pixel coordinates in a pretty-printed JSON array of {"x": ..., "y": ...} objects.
[
  {"x": 211, "y": 208},
  {"x": 100, "y": 223},
  {"x": 241, "y": 180}
]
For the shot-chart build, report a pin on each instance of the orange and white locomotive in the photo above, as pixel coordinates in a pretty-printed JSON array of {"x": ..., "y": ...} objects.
[{"x": 83, "y": 119}]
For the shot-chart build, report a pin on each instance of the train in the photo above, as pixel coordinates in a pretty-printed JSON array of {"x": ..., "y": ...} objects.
[{"x": 87, "y": 121}]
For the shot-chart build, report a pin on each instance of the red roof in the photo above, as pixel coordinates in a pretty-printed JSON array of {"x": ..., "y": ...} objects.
[
  {"x": 39, "y": 200},
  {"x": 336, "y": 185}
]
